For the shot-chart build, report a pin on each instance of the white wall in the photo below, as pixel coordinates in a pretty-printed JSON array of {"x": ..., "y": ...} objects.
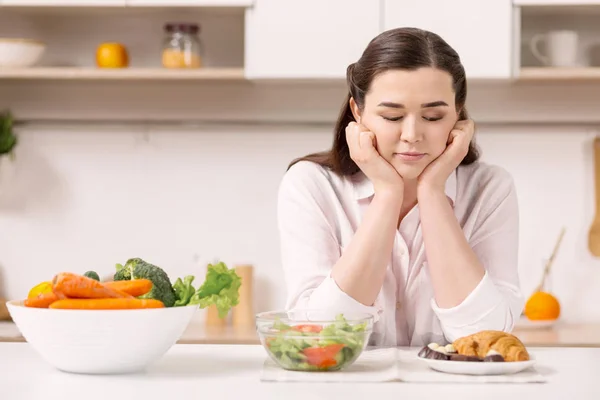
[{"x": 86, "y": 197}]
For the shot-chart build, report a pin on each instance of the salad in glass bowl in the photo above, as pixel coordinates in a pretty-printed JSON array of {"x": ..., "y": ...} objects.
[{"x": 314, "y": 340}]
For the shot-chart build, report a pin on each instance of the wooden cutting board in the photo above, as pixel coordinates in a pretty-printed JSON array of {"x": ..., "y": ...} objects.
[
  {"x": 4, "y": 315},
  {"x": 243, "y": 313},
  {"x": 594, "y": 234}
]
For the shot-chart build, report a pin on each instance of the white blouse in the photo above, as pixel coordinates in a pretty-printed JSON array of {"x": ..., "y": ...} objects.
[{"x": 318, "y": 213}]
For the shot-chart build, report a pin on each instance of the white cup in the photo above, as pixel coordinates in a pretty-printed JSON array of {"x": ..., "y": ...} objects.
[{"x": 562, "y": 48}]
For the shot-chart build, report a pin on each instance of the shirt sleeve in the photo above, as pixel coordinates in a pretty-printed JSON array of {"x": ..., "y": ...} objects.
[
  {"x": 309, "y": 247},
  {"x": 496, "y": 302}
]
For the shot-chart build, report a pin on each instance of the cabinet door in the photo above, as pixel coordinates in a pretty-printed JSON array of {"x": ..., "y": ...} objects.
[
  {"x": 479, "y": 30},
  {"x": 74, "y": 3},
  {"x": 191, "y": 3},
  {"x": 307, "y": 38}
]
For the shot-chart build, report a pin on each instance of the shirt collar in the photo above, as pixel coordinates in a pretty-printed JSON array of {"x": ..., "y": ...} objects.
[{"x": 363, "y": 187}]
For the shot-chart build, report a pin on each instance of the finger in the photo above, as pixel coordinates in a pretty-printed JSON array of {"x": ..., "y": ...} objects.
[
  {"x": 461, "y": 124},
  {"x": 360, "y": 129},
  {"x": 467, "y": 126},
  {"x": 461, "y": 129},
  {"x": 452, "y": 136},
  {"x": 357, "y": 129},
  {"x": 460, "y": 144},
  {"x": 470, "y": 129},
  {"x": 352, "y": 137},
  {"x": 366, "y": 143},
  {"x": 466, "y": 133}
]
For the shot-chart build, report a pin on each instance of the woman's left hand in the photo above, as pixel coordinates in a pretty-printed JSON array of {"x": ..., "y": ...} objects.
[{"x": 435, "y": 175}]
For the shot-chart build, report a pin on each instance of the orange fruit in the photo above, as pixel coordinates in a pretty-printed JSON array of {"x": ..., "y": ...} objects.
[
  {"x": 112, "y": 55},
  {"x": 44, "y": 287},
  {"x": 542, "y": 306}
]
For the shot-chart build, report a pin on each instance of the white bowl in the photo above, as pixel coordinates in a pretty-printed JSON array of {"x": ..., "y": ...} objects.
[
  {"x": 101, "y": 341},
  {"x": 20, "y": 53}
]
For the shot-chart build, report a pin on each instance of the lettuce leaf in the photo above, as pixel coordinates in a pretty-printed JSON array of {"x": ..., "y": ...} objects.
[
  {"x": 221, "y": 288},
  {"x": 184, "y": 290}
]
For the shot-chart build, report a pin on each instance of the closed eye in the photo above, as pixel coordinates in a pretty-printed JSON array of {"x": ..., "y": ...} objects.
[{"x": 393, "y": 119}]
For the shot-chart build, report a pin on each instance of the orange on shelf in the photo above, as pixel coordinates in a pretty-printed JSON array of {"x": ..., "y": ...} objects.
[
  {"x": 112, "y": 55},
  {"x": 542, "y": 306}
]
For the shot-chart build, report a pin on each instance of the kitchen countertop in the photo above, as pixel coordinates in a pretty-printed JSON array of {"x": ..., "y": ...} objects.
[
  {"x": 233, "y": 372},
  {"x": 569, "y": 335},
  {"x": 561, "y": 335}
]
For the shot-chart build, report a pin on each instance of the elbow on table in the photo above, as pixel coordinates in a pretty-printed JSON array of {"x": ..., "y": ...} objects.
[{"x": 503, "y": 318}]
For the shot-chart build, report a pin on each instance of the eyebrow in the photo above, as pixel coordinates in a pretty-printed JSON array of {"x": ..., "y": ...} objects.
[{"x": 425, "y": 105}]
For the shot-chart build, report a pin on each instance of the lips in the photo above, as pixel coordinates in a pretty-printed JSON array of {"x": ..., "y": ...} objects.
[{"x": 410, "y": 156}]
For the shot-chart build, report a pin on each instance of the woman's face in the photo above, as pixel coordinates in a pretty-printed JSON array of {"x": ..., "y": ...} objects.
[{"x": 411, "y": 114}]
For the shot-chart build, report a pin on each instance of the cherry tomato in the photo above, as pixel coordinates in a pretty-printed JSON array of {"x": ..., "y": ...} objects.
[{"x": 323, "y": 357}]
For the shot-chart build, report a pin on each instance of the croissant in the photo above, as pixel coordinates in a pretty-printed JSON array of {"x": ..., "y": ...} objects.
[{"x": 480, "y": 344}]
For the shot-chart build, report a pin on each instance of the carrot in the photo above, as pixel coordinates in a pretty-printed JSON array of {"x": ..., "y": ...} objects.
[
  {"x": 106, "y": 304},
  {"x": 43, "y": 300},
  {"x": 79, "y": 286},
  {"x": 135, "y": 287}
]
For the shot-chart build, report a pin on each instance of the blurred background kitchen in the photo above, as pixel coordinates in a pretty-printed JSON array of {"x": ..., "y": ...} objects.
[{"x": 161, "y": 129}]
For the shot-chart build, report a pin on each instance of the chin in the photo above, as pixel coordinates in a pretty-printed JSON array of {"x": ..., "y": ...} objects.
[{"x": 408, "y": 172}]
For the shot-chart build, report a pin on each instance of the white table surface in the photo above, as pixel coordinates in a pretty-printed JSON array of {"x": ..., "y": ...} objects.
[{"x": 223, "y": 372}]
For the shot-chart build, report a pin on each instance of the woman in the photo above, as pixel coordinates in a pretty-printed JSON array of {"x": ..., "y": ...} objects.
[{"x": 400, "y": 219}]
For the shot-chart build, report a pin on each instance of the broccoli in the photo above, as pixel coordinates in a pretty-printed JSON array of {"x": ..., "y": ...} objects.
[
  {"x": 93, "y": 275},
  {"x": 136, "y": 268}
]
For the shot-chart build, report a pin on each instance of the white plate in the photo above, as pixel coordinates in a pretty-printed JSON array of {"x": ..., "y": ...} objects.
[{"x": 478, "y": 368}]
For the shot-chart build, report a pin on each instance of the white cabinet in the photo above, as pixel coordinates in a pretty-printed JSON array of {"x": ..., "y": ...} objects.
[
  {"x": 74, "y": 3},
  {"x": 307, "y": 38},
  {"x": 481, "y": 31}
]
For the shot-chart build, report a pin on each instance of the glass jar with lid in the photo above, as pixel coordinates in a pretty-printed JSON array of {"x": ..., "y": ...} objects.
[{"x": 182, "y": 46}]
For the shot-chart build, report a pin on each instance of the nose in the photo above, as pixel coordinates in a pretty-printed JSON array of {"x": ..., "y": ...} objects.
[{"x": 410, "y": 130}]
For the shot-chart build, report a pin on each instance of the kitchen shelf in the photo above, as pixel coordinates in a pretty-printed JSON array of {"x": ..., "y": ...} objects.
[
  {"x": 124, "y": 3},
  {"x": 558, "y": 11},
  {"x": 91, "y": 73},
  {"x": 72, "y": 37},
  {"x": 62, "y": 3},
  {"x": 555, "y": 73},
  {"x": 190, "y": 3},
  {"x": 535, "y": 21},
  {"x": 541, "y": 3}
]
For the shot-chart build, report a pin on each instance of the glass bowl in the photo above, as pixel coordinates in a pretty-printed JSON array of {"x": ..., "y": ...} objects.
[{"x": 314, "y": 340}]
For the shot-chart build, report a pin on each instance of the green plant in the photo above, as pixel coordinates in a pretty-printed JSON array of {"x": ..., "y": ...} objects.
[{"x": 8, "y": 140}]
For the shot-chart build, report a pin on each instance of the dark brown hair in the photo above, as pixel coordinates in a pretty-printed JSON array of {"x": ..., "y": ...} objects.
[{"x": 401, "y": 48}]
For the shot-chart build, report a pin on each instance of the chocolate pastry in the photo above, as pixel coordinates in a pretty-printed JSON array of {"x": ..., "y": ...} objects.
[
  {"x": 436, "y": 352},
  {"x": 493, "y": 358},
  {"x": 462, "y": 357},
  {"x": 428, "y": 352}
]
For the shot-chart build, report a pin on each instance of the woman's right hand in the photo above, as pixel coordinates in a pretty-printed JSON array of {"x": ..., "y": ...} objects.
[{"x": 363, "y": 151}]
